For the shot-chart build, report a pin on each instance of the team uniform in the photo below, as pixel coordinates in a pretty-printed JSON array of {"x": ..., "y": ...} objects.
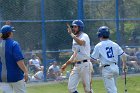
[
  {"x": 10, "y": 53},
  {"x": 107, "y": 52},
  {"x": 83, "y": 67},
  {"x": 11, "y": 76},
  {"x": 80, "y": 58}
]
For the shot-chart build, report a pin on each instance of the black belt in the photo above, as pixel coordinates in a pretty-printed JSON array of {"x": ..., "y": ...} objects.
[
  {"x": 108, "y": 65},
  {"x": 83, "y": 61}
]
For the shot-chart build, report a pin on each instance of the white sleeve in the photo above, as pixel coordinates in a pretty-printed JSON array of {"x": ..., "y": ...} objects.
[
  {"x": 85, "y": 38},
  {"x": 120, "y": 51},
  {"x": 95, "y": 54}
]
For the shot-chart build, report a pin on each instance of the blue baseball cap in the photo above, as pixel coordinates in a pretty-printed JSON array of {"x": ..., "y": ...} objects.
[{"x": 7, "y": 28}]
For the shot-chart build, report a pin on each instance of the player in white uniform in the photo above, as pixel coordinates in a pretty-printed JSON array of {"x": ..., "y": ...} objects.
[
  {"x": 81, "y": 58},
  {"x": 37, "y": 77},
  {"x": 107, "y": 52}
]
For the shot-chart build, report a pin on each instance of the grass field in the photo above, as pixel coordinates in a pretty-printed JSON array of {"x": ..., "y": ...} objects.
[{"x": 133, "y": 86}]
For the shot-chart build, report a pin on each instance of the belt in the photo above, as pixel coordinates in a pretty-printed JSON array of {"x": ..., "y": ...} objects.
[
  {"x": 83, "y": 61},
  {"x": 108, "y": 65}
]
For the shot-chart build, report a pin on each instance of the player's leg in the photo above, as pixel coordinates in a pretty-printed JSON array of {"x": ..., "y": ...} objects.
[
  {"x": 86, "y": 74},
  {"x": 6, "y": 88},
  {"x": 19, "y": 87},
  {"x": 109, "y": 80},
  {"x": 110, "y": 85},
  {"x": 73, "y": 80}
]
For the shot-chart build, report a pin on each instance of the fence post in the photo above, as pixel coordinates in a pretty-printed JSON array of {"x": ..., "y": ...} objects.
[
  {"x": 118, "y": 31},
  {"x": 43, "y": 38},
  {"x": 80, "y": 10}
]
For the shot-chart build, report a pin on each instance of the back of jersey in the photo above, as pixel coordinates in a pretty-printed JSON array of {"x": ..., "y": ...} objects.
[{"x": 107, "y": 51}]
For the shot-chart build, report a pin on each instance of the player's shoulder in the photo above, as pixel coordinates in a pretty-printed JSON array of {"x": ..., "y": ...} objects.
[
  {"x": 98, "y": 45},
  {"x": 111, "y": 42},
  {"x": 114, "y": 43},
  {"x": 84, "y": 34},
  {"x": 12, "y": 42},
  {"x": 15, "y": 43}
]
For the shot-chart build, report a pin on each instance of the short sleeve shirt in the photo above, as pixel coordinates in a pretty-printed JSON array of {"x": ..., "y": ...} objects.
[
  {"x": 107, "y": 52},
  {"x": 83, "y": 52},
  {"x": 10, "y": 54}
]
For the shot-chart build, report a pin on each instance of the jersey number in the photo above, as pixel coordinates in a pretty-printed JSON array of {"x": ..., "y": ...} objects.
[{"x": 109, "y": 52}]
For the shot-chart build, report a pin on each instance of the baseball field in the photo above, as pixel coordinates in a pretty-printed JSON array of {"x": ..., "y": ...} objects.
[{"x": 133, "y": 86}]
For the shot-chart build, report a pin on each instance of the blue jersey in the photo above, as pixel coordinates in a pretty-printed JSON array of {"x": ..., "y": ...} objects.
[{"x": 10, "y": 54}]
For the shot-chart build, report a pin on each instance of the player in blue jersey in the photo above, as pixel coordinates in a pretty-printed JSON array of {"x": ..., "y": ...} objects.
[{"x": 13, "y": 72}]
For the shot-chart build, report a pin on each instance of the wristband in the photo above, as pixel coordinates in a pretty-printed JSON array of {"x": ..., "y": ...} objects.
[{"x": 72, "y": 35}]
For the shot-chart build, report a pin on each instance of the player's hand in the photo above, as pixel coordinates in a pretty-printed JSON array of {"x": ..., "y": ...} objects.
[
  {"x": 63, "y": 67},
  {"x": 69, "y": 28},
  {"x": 26, "y": 77},
  {"x": 125, "y": 68}
]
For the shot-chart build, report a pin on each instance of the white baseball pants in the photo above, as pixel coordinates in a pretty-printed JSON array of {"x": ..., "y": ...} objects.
[
  {"x": 110, "y": 74},
  {"x": 81, "y": 71},
  {"x": 16, "y": 87}
]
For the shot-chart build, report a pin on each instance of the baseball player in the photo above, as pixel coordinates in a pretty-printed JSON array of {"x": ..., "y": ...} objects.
[
  {"x": 12, "y": 68},
  {"x": 81, "y": 58},
  {"x": 107, "y": 52}
]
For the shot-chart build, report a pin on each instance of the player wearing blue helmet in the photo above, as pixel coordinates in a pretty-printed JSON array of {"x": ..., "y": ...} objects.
[
  {"x": 107, "y": 52},
  {"x": 13, "y": 71},
  {"x": 80, "y": 25},
  {"x": 103, "y": 32},
  {"x": 81, "y": 58}
]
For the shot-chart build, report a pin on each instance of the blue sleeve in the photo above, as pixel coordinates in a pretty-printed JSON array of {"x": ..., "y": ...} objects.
[{"x": 17, "y": 52}]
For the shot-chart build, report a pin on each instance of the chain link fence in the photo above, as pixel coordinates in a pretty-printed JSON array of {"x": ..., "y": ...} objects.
[{"x": 26, "y": 17}]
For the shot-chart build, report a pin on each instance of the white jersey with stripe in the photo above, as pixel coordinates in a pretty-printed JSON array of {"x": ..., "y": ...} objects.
[
  {"x": 107, "y": 52},
  {"x": 83, "y": 52}
]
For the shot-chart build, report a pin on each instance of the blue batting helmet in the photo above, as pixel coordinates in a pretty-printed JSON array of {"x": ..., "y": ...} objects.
[
  {"x": 7, "y": 28},
  {"x": 103, "y": 31},
  {"x": 78, "y": 23}
]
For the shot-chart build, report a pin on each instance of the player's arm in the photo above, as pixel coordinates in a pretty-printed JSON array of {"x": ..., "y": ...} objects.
[
  {"x": 95, "y": 61},
  {"x": 68, "y": 62},
  {"x": 124, "y": 59},
  {"x": 23, "y": 68},
  {"x": 95, "y": 54},
  {"x": 79, "y": 41}
]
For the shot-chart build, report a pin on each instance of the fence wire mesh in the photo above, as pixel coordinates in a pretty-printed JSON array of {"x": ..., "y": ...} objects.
[{"x": 25, "y": 16}]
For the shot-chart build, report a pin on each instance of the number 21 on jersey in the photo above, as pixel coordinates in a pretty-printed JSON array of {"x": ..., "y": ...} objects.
[{"x": 109, "y": 52}]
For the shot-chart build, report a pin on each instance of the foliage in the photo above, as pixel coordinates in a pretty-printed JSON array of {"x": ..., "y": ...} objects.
[{"x": 57, "y": 37}]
